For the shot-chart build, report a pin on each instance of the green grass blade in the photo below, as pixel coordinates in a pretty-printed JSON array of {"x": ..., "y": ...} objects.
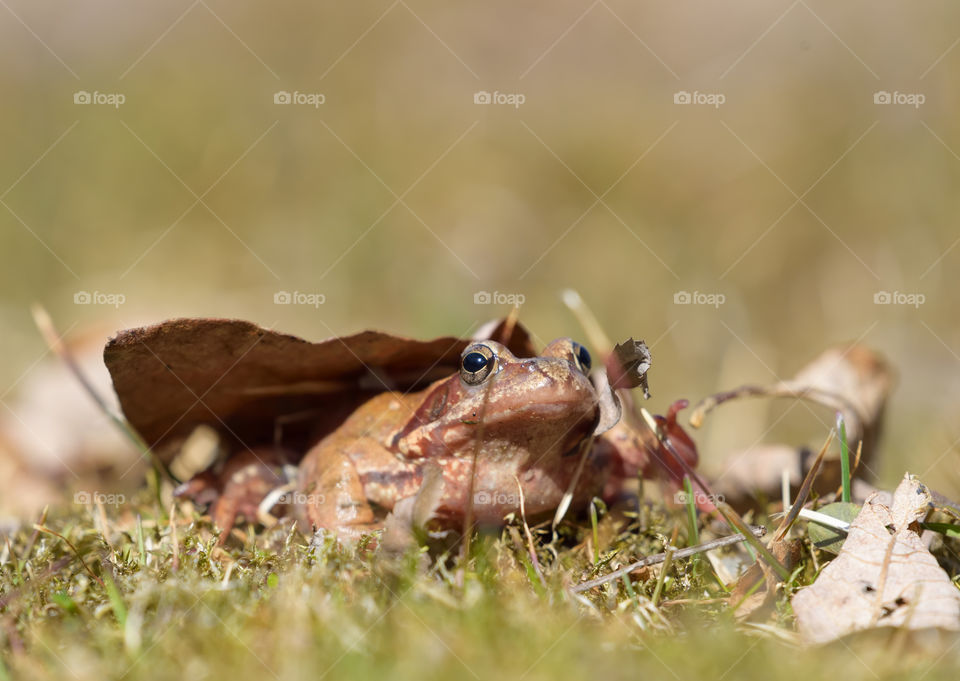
[{"x": 844, "y": 459}]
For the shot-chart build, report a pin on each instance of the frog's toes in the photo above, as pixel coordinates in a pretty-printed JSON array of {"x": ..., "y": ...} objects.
[
  {"x": 239, "y": 488},
  {"x": 202, "y": 489}
]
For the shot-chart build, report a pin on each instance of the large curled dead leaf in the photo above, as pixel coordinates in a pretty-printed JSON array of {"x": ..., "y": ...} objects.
[
  {"x": 850, "y": 379},
  {"x": 243, "y": 379},
  {"x": 884, "y": 575}
]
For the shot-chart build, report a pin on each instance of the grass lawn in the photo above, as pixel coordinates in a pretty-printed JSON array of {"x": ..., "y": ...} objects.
[{"x": 111, "y": 597}]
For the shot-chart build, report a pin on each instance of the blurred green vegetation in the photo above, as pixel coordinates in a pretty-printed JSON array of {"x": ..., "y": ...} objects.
[{"x": 797, "y": 199}]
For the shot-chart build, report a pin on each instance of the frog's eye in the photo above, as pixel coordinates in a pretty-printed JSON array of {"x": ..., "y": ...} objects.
[
  {"x": 477, "y": 362},
  {"x": 582, "y": 356}
]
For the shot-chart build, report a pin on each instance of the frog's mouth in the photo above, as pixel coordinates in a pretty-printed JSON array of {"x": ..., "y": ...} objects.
[
  {"x": 539, "y": 413},
  {"x": 552, "y": 424},
  {"x": 577, "y": 448}
]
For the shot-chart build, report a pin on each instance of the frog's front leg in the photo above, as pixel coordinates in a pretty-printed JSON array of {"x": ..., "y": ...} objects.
[
  {"x": 237, "y": 488},
  {"x": 331, "y": 493}
]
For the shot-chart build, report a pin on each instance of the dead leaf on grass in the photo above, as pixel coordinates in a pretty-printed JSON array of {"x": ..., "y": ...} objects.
[{"x": 883, "y": 577}]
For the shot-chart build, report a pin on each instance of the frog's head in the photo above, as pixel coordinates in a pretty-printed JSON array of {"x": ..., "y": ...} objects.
[{"x": 522, "y": 409}]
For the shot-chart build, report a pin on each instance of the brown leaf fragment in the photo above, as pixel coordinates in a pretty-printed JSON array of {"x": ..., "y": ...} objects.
[
  {"x": 509, "y": 332},
  {"x": 748, "y": 596},
  {"x": 629, "y": 364},
  {"x": 758, "y": 605},
  {"x": 883, "y": 577}
]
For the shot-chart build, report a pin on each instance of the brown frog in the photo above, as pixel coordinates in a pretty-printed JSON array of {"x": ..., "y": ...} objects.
[
  {"x": 502, "y": 424},
  {"x": 367, "y": 417}
]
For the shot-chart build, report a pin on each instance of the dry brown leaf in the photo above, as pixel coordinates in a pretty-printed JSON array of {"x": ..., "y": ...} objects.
[
  {"x": 244, "y": 379},
  {"x": 884, "y": 575},
  {"x": 628, "y": 366}
]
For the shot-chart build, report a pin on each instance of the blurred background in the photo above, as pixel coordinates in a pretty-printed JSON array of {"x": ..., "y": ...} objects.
[{"x": 782, "y": 168}]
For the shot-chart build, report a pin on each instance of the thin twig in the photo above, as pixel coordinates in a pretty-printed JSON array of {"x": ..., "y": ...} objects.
[
  {"x": 175, "y": 563},
  {"x": 468, "y": 522},
  {"x": 53, "y": 340},
  {"x": 41, "y": 528},
  {"x": 803, "y": 492},
  {"x": 667, "y": 561},
  {"x": 734, "y": 520},
  {"x": 33, "y": 537},
  {"x": 660, "y": 557},
  {"x": 526, "y": 530}
]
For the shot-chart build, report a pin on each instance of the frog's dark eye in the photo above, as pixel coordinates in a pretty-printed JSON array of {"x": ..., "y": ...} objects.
[
  {"x": 477, "y": 362},
  {"x": 582, "y": 356}
]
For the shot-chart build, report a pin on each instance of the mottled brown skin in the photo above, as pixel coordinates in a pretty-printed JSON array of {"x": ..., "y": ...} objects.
[
  {"x": 236, "y": 489},
  {"x": 526, "y": 423}
]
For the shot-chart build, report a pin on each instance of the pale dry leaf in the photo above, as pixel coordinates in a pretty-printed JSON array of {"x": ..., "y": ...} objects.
[
  {"x": 883, "y": 577},
  {"x": 851, "y": 379},
  {"x": 610, "y": 407}
]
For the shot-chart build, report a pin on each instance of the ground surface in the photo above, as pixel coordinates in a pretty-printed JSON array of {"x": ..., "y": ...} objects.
[{"x": 175, "y": 607}]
